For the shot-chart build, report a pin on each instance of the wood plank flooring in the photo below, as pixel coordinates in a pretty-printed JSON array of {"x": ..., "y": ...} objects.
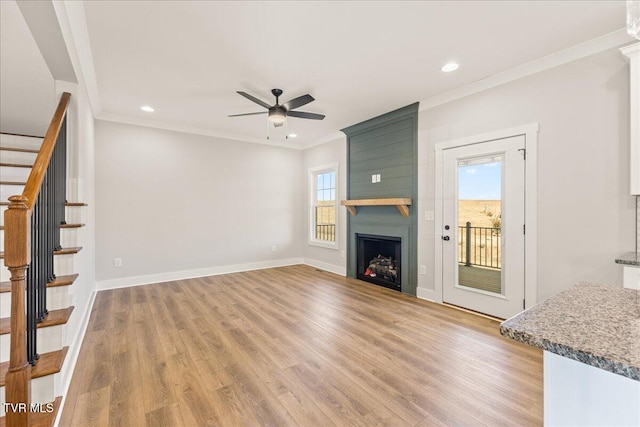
[{"x": 294, "y": 346}]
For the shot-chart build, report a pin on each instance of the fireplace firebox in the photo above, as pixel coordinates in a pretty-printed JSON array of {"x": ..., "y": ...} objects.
[{"x": 378, "y": 260}]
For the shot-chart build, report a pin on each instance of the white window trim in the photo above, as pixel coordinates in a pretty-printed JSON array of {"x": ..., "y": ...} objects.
[{"x": 330, "y": 167}]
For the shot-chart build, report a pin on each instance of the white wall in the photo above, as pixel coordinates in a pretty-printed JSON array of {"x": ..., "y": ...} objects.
[
  {"x": 28, "y": 92},
  {"x": 585, "y": 213},
  {"x": 333, "y": 260},
  {"x": 175, "y": 205}
]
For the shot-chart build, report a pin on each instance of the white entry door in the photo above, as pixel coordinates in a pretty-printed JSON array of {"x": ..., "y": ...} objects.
[{"x": 483, "y": 236}]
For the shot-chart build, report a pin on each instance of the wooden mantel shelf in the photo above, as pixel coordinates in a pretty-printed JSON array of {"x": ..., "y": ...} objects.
[{"x": 402, "y": 204}]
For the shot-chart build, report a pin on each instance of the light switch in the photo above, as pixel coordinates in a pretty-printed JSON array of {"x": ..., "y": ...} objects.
[{"x": 378, "y": 178}]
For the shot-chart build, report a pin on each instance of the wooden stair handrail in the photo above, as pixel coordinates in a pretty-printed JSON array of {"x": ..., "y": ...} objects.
[
  {"x": 17, "y": 257},
  {"x": 32, "y": 188}
]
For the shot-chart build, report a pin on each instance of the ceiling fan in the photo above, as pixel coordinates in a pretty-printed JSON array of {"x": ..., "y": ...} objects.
[{"x": 278, "y": 113}]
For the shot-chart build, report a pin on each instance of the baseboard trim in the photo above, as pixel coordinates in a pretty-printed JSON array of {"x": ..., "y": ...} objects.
[
  {"x": 72, "y": 355},
  {"x": 427, "y": 294},
  {"x": 126, "y": 282},
  {"x": 332, "y": 268}
]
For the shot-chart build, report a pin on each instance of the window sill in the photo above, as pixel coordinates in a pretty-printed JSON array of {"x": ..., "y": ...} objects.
[{"x": 321, "y": 244}]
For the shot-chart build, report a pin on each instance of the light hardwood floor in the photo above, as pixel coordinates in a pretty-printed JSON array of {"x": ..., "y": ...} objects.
[{"x": 295, "y": 346}]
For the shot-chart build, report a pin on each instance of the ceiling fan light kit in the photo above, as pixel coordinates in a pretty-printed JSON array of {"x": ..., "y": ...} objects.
[{"x": 277, "y": 114}]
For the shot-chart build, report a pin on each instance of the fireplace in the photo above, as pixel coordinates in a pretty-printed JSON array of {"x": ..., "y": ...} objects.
[{"x": 379, "y": 260}]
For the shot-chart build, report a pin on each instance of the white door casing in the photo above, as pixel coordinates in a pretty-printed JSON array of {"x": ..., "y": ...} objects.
[
  {"x": 507, "y": 243},
  {"x": 530, "y": 134}
]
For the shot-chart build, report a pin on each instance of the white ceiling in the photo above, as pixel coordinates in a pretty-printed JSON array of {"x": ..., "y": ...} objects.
[{"x": 358, "y": 59}]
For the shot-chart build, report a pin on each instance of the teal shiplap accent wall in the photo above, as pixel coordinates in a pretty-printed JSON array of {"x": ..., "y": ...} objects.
[{"x": 385, "y": 145}]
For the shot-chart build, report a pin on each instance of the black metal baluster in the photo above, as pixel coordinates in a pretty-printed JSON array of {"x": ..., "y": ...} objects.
[
  {"x": 32, "y": 308},
  {"x": 62, "y": 176}
]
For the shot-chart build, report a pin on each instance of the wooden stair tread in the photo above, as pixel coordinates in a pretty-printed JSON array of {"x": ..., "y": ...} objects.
[
  {"x": 48, "y": 364},
  {"x": 63, "y": 251},
  {"x": 20, "y": 150},
  {"x": 55, "y": 317},
  {"x": 71, "y": 225},
  {"x": 41, "y": 419},
  {"x": 69, "y": 204},
  {"x": 15, "y": 165},
  {"x": 12, "y": 183},
  {"x": 67, "y": 251},
  {"x": 58, "y": 281}
]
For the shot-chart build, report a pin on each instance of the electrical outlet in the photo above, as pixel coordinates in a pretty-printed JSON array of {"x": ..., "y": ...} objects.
[
  {"x": 423, "y": 270},
  {"x": 341, "y": 254},
  {"x": 117, "y": 262},
  {"x": 273, "y": 248},
  {"x": 428, "y": 216},
  {"x": 378, "y": 179},
  {"x": 373, "y": 179}
]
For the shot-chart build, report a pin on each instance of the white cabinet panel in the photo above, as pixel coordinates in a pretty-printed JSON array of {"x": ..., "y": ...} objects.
[
  {"x": 633, "y": 53},
  {"x": 631, "y": 277}
]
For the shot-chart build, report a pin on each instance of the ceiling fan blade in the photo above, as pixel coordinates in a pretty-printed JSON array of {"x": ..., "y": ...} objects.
[
  {"x": 247, "y": 114},
  {"x": 298, "y": 102},
  {"x": 254, "y": 99},
  {"x": 303, "y": 115}
]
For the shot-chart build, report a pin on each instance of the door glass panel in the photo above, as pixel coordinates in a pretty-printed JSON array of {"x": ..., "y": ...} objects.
[{"x": 480, "y": 223}]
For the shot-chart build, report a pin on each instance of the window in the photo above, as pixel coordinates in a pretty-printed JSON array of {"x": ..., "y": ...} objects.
[{"x": 323, "y": 205}]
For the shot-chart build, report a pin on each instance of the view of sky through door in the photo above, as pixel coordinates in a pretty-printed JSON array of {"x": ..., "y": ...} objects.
[{"x": 480, "y": 223}]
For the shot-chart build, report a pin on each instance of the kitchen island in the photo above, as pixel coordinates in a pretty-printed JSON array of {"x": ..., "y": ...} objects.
[{"x": 590, "y": 335}]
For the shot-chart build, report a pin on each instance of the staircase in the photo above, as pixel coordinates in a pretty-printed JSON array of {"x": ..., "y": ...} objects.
[{"x": 31, "y": 359}]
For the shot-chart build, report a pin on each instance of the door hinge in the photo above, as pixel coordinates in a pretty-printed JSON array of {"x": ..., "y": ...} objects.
[
  {"x": 524, "y": 228},
  {"x": 524, "y": 306},
  {"x": 524, "y": 153}
]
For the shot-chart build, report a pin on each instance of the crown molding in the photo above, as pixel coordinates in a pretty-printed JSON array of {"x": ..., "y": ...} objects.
[
  {"x": 73, "y": 25},
  {"x": 331, "y": 137},
  {"x": 176, "y": 127},
  {"x": 579, "y": 51}
]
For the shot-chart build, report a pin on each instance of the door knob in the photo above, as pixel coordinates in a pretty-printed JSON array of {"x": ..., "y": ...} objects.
[{"x": 445, "y": 238}]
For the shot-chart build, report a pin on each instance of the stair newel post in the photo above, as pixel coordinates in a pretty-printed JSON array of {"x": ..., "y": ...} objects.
[{"x": 17, "y": 242}]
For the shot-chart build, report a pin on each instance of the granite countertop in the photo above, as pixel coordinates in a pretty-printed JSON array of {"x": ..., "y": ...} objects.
[
  {"x": 594, "y": 324},
  {"x": 630, "y": 258}
]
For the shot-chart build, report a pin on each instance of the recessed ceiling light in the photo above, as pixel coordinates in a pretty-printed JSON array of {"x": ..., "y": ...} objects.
[
  {"x": 147, "y": 109},
  {"x": 451, "y": 66},
  {"x": 292, "y": 135}
]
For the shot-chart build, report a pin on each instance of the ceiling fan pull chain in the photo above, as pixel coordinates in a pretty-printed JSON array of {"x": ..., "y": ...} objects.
[{"x": 267, "y": 128}]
